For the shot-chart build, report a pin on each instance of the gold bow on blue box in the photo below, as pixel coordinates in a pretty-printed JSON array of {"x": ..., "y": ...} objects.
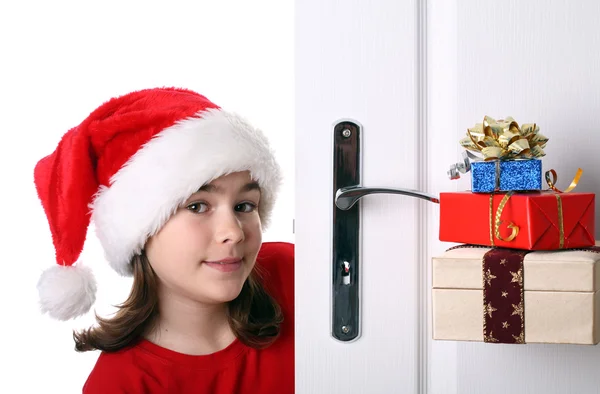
[{"x": 502, "y": 156}]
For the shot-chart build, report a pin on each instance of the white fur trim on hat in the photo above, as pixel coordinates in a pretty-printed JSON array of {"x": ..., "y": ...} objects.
[{"x": 171, "y": 167}]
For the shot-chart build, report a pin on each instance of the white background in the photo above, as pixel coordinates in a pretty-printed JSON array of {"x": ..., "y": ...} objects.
[{"x": 59, "y": 60}]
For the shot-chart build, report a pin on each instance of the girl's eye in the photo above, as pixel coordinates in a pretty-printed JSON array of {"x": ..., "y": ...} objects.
[
  {"x": 198, "y": 207},
  {"x": 245, "y": 207}
]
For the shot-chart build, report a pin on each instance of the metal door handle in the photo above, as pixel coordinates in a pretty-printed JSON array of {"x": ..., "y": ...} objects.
[
  {"x": 345, "y": 281},
  {"x": 346, "y": 197}
]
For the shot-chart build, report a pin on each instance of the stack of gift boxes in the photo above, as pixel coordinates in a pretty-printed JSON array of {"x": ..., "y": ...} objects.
[{"x": 526, "y": 268}]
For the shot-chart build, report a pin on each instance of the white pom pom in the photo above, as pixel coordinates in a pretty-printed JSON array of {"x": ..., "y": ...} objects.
[{"x": 67, "y": 292}]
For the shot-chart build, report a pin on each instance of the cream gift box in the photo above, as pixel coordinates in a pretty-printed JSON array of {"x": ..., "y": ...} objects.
[{"x": 560, "y": 296}]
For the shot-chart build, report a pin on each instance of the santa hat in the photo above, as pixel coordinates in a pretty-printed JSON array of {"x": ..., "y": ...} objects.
[{"x": 128, "y": 166}]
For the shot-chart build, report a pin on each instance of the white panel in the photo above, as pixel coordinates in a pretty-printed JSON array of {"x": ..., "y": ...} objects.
[
  {"x": 357, "y": 59},
  {"x": 537, "y": 61}
]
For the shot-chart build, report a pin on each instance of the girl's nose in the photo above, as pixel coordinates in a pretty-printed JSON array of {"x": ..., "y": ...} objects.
[{"x": 228, "y": 228}]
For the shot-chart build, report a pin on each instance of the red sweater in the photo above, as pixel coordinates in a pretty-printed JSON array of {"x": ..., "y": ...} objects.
[{"x": 148, "y": 368}]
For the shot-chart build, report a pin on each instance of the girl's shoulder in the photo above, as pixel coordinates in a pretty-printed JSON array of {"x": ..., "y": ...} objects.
[
  {"x": 129, "y": 370},
  {"x": 276, "y": 270},
  {"x": 277, "y": 251},
  {"x": 111, "y": 373},
  {"x": 276, "y": 264}
]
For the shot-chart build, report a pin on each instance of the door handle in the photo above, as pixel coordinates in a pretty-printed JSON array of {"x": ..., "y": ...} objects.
[
  {"x": 347, "y": 190},
  {"x": 346, "y": 197}
]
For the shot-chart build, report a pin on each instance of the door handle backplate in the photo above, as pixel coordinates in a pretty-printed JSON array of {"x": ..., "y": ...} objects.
[
  {"x": 345, "y": 279},
  {"x": 347, "y": 191}
]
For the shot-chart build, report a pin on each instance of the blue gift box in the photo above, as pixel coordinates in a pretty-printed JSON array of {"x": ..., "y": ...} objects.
[{"x": 490, "y": 176}]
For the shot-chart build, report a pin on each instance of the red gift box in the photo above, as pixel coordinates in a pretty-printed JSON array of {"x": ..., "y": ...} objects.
[{"x": 541, "y": 220}]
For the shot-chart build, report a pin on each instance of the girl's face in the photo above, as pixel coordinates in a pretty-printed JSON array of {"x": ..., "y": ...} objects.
[{"x": 207, "y": 249}]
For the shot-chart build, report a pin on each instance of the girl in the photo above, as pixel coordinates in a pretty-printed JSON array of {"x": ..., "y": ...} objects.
[{"x": 180, "y": 192}]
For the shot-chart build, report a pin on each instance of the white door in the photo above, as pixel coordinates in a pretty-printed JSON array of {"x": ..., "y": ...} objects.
[{"x": 415, "y": 74}]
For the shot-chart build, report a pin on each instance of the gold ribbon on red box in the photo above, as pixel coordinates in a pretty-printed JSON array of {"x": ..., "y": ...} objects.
[{"x": 496, "y": 219}]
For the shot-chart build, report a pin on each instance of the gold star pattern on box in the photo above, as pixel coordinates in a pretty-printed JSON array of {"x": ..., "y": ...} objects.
[
  {"x": 490, "y": 338},
  {"x": 520, "y": 339},
  {"x": 503, "y": 307},
  {"x": 487, "y": 277},
  {"x": 517, "y": 277},
  {"x": 518, "y": 310},
  {"x": 490, "y": 309}
]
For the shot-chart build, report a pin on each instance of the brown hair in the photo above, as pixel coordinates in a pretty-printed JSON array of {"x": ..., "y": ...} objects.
[{"x": 254, "y": 316}]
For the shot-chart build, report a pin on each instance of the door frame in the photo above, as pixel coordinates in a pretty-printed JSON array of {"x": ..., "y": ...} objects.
[{"x": 438, "y": 47}]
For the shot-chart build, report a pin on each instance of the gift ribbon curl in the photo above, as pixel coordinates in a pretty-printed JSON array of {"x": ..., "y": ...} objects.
[
  {"x": 551, "y": 181},
  {"x": 497, "y": 221}
]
